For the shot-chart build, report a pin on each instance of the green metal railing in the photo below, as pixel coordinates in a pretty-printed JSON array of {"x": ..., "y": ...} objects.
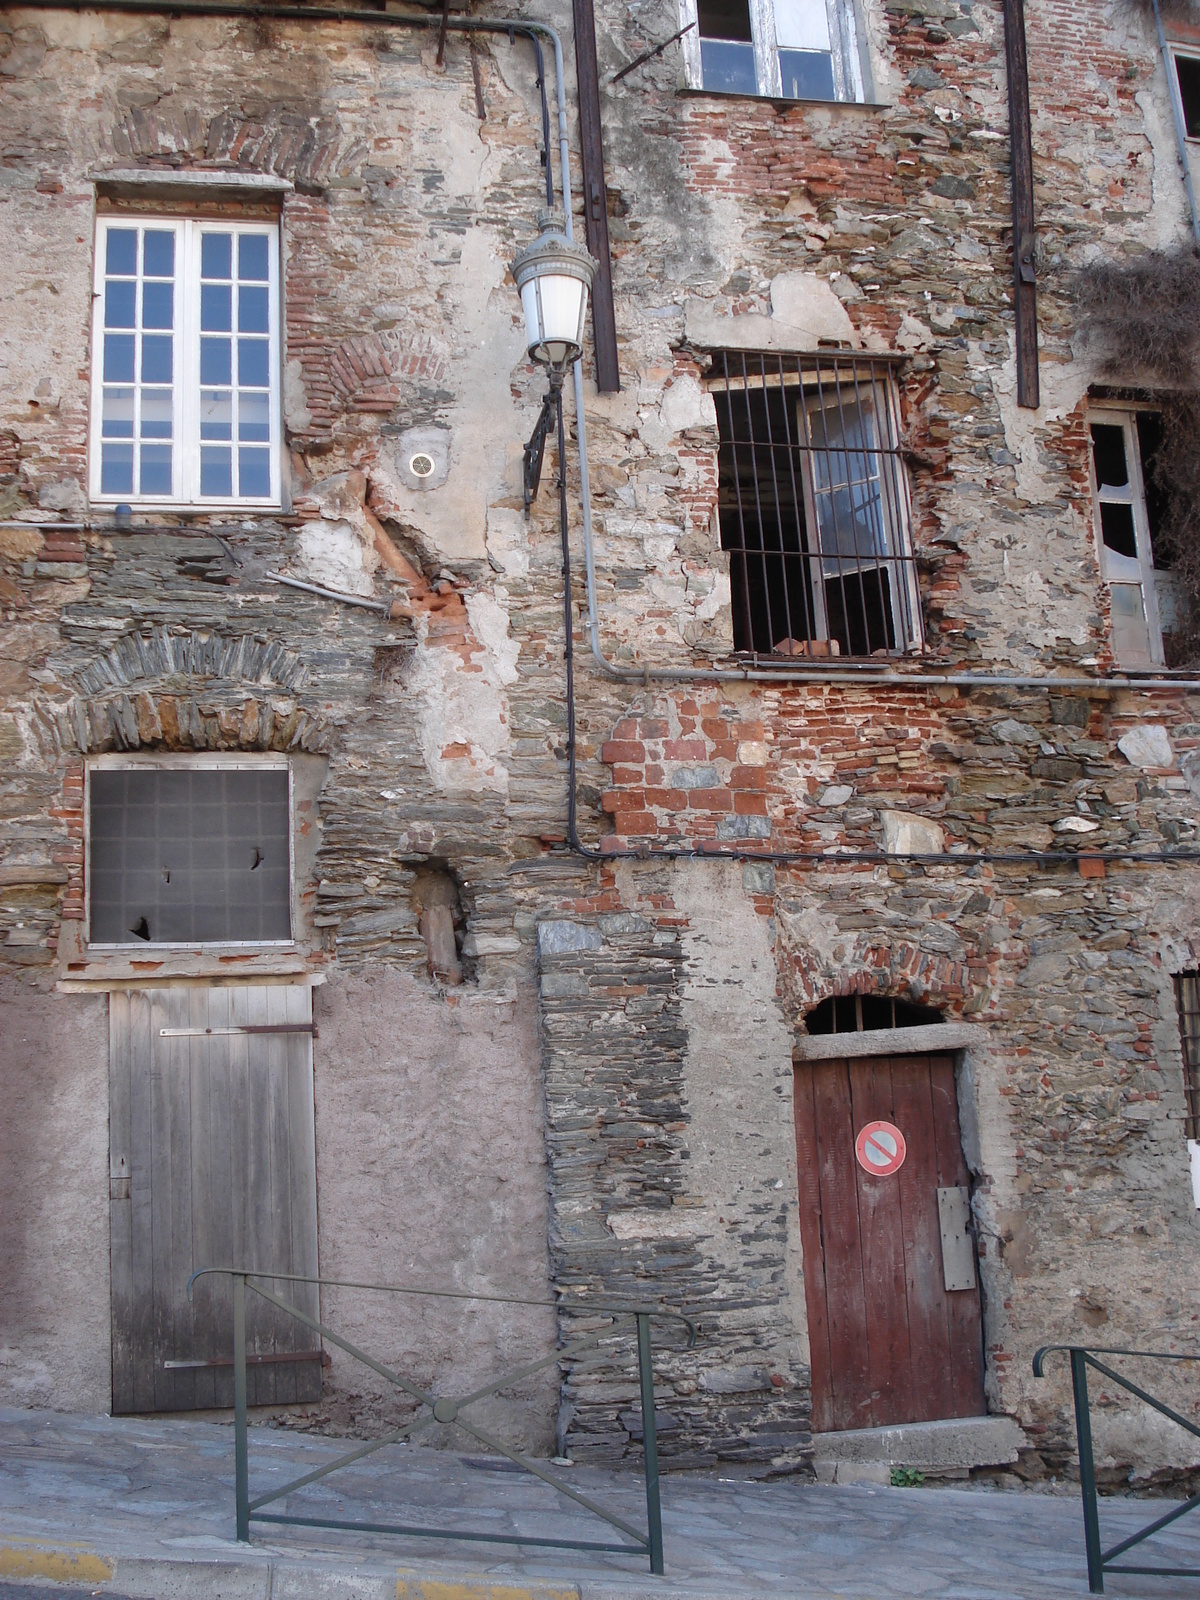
[
  {"x": 446, "y": 1410},
  {"x": 1099, "y": 1560}
]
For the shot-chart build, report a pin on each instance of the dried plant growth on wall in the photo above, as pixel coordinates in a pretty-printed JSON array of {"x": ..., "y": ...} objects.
[{"x": 1142, "y": 319}]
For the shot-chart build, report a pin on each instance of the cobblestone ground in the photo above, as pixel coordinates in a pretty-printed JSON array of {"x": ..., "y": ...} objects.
[{"x": 162, "y": 1491}]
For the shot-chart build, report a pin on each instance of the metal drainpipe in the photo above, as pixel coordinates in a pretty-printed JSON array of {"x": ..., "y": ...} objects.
[{"x": 1180, "y": 130}]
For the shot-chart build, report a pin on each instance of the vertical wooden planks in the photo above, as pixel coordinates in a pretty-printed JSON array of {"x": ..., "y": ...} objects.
[
  {"x": 206, "y": 1008},
  {"x": 929, "y": 1331},
  {"x": 964, "y": 1308},
  {"x": 845, "y": 1296},
  {"x": 882, "y": 1244},
  {"x": 219, "y": 1200},
  {"x": 278, "y": 1227},
  {"x": 141, "y": 1187},
  {"x": 1020, "y": 140},
  {"x": 302, "y": 1176},
  {"x": 811, "y": 1239}
]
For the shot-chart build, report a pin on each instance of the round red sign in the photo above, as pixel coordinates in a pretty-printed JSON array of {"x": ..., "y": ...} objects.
[{"x": 880, "y": 1149}]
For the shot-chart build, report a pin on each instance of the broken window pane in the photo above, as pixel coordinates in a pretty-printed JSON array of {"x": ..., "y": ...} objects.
[
  {"x": 1108, "y": 452},
  {"x": 197, "y": 856},
  {"x": 1187, "y": 70}
]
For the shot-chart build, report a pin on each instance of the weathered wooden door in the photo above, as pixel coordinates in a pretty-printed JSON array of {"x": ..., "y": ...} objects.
[
  {"x": 212, "y": 1163},
  {"x": 890, "y": 1343}
]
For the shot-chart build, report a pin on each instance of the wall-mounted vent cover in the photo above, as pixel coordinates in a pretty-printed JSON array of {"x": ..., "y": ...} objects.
[{"x": 189, "y": 856}]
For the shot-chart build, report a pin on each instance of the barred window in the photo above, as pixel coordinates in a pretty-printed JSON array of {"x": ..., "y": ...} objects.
[
  {"x": 813, "y": 505},
  {"x": 1187, "y": 1002}
]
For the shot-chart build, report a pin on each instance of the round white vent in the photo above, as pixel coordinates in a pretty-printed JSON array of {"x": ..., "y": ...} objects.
[{"x": 421, "y": 465}]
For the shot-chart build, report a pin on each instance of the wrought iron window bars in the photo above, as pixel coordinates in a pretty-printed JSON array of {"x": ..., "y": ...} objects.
[
  {"x": 813, "y": 505},
  {"x": 447, "y": 1411}
]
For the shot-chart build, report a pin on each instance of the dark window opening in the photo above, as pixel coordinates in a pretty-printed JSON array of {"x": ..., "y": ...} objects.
[
  {"x": 812, "y": 507},
  {"x": 1187, "y": 1002},
  {"x": 189, "y": 856},
  {"x": 856, "y": 1013},
  {"x": 1187, "y": 72}
]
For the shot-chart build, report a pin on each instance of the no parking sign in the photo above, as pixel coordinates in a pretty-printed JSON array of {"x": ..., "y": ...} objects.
[{"x": 880, "y": 1149}]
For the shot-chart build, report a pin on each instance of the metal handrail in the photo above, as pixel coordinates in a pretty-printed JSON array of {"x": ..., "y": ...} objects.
[
  {"x": 1100, "y": 1560},
  {"x": 446, "y": 1410}
]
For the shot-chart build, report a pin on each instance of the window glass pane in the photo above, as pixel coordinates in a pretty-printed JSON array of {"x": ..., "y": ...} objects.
[
  {"x": 846, "y": 486},
  {"x": 216, "y": 414},
  {"x": 118, "y": 358},
  {"x": 116, "y": 468},
  {"x": 254, "y": 417},
  {"x": 252, "y": 257},
  {"x": 185, "y": 857},
  {"x": 215, "y": 303},
  {"x": 156, "y": 469},
  {"x": 1108, "y": 453},
  {"x": 156, "y": 413},
  {"x": 156, "y": 358},
  {"x": 157, "y": 302},
  {"x": 215, "y": 255},
  {"x": 158, "y": 254},
  {"x": 802, "y": 25},
  {"x": 728, "y": 67},
  {"x": 119, "y": 302},
  {"x": 120, "y": 255},
  {"x": 807, "y": 75},
  {"x": 1130, "y": 631},
  {"x": 216, "y": 361},
  {"x": 216, "y": 471},
  {"x": 254, "y": 472},
  {"x": 117, "y": 416},
  {"x": 252, "y": 310},
  {"x": 254, "y": 365}
]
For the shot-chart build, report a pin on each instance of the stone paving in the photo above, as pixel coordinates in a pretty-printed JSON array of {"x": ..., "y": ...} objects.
[{"x": 161, "y": 1490}]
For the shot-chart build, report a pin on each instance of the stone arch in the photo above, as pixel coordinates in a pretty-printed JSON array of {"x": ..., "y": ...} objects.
[{"x": 195, "y": 690}]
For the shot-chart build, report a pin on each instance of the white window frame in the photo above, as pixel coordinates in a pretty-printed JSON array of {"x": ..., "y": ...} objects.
[
  {"x": 213, "y": 760},
  {"x": 1182, "y": 53},
  {"x": 843, "y": 41},
  {"x": 185, "y": 489},
  {"x": 1134, "y": 572}
]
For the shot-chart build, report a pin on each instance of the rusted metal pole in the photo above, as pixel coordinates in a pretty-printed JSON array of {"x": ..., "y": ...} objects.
[
  {"x": 595, "y": 196},
  {"x": 1020, "y": 142}
]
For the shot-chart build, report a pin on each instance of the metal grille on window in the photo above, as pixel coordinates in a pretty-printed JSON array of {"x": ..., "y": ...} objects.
[
  {"x": 813, "y": 506},
  {"x": 189, "y": 857},
  {"x": 1187, "y": 1001}
]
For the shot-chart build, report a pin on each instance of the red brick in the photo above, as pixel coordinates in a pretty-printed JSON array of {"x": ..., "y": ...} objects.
[{"x": 614, "y": 750}]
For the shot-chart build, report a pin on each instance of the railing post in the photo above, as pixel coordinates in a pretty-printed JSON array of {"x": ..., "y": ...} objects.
[
  {"x": 650, "y": 1444},
  {"x": 240, "y": 1459},
  {"x": 1087, "y": 1471}
]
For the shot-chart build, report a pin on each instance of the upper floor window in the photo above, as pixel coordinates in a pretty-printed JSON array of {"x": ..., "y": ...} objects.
[
  {"x": 185, "y": 363},
  {"x": 1187, "y": 83},
  {"x": 1129, "y": 519},
  {"x": 813, "y": 506},
  {"x": 781, "y": 49}
]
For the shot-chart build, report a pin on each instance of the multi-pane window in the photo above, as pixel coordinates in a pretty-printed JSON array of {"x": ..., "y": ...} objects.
[
  {"x": 189, "y": 853},
  {"x": 782, "y": 49},
  {"x": 1187, "y": 83},
  {"x": 185, "y": 386},
  {"x": 813, "y": 506},
  {"x": 1129, "y": 515}
]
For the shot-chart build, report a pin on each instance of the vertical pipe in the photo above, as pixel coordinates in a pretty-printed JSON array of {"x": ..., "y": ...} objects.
[
  {"x": 1180, "y": 130},
  {"x": 1087, "y": 1471},
  {"x": 240, "y": 1461},
  {"x": 650, "y": 1444},
  {"x": 1020, "y": 146},
  {"x": 595, "y": 196}
]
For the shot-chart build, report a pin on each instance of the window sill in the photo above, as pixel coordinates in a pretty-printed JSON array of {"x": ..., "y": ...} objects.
[
  {"x": 100, "y": 970},
  {"x": 189, "y": 508},
  {"x": 690, "y": 91},
  {"x": 937, "y": 1038}
]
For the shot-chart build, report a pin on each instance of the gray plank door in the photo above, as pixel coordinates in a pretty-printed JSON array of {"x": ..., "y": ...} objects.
[{"x": 212, "y": 1162}]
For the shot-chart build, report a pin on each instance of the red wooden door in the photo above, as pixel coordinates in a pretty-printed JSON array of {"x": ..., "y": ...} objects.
[{"x": 889, "y": 1342}]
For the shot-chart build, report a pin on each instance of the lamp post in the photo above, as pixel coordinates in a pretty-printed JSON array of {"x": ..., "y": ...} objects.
[{"x": 553, "y": 277}]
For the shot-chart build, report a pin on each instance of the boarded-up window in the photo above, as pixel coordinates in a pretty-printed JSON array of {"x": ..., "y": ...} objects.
[
  {"x": 197, "y": 855},
  {"x": 1187, "y": 999}
]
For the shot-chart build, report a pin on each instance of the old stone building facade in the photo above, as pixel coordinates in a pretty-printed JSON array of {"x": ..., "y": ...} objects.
[{"x": 877, "y": 703}]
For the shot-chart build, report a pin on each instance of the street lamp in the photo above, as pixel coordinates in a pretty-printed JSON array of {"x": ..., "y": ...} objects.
[{"x": 553, "y": 276}]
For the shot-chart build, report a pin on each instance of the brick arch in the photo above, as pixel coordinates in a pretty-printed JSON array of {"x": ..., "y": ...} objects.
[{"x": 195, "y": 691}]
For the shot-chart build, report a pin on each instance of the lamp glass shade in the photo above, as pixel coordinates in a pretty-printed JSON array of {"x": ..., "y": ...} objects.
[{"x": 555, "y": 309}]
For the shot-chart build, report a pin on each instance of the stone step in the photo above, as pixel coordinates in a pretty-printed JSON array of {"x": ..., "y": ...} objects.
[{"x": 868, "y": 1455}]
